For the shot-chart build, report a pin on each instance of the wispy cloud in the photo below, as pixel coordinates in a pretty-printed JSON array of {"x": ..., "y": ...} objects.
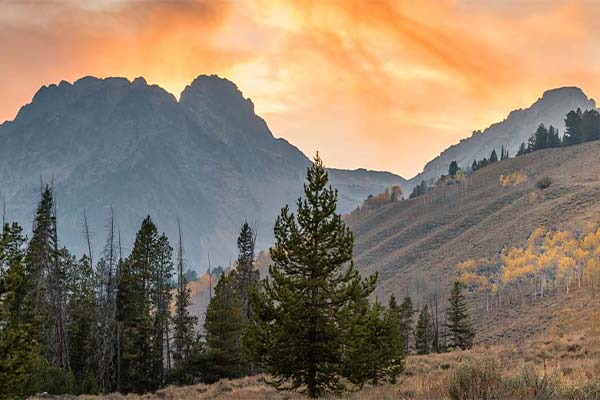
[{"x": 373, "y": 83}]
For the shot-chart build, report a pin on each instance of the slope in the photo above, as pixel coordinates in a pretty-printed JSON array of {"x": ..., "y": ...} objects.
[{"x": 417, "y": 243}]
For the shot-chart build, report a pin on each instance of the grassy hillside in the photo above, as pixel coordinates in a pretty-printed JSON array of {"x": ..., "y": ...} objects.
[{"x": 417, "y": 243}]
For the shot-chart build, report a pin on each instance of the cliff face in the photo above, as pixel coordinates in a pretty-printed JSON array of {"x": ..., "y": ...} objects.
[{"x": 207, "y": 159}]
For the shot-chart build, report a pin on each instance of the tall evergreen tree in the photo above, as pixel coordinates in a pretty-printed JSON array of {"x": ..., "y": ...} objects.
[
  {"x": 377, "y": 353},
  {"x": 18, "y": 346},
  {"x": 493, "y": 157},
  {"x": 406, "y": 312},
  {"x": 82, "y": 311},
  {"x": 424, "y": 332},
  {"x": 247, "y": 277},
  {"x": 460, "y": 330},
  {"x": 224, "y": 325},
  {"x": 304, "y": 315},
  {"x": 572, "y": 127},
  {"x": 453, "y": 169},
  {"x": 161, "y": 289},
  {"x": 138, "y": 371},
  {"x": 182, "y": 321},
  {"x": 39, "y": 265}
]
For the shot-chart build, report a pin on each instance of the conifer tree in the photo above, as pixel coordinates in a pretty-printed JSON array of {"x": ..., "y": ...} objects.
[
  {"x": 406, "y": 312},
  {"x": 246, "y": 276},
  {"x": 82, "y": 310},
  {"x": 453, "y": 169},
  {"x": 493, "y": 157},
  {"x": 138, "y": 372},
  {"x": 306, "y": 310},
  {"x": 460, "y": 330},
  {"x": 161, "y": 289},
  {"x": 224, "y": 325},
  {"x": 572, "y": 127},
  {"x": 18, "y": 346},
  {"x": 424, "y": 332},
  {"x": 39, "y": 264},
  {"x": 376, "y": 354},
  {"x": 182, "y": 321}
]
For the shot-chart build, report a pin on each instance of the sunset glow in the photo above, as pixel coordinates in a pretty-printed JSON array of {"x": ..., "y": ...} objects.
[{"x": 378, "y": 84}]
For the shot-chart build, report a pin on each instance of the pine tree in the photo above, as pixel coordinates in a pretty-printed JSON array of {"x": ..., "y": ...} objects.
[
  {"x": 572, "y": 128},
  {"x": 246, "y": 276},
  {"x": 424, "y": 332},
  {"x": 453, "y": 169},
  {"x": 39, "y": 264},
  {"x": 224, "y": 325},
  {"x": 161, "y": 289},
  {"x": 406, "y": 312},
  {"x": 309, "y": 304},
  {"x": 82, "y": 311},
  {"x": 137, "y": 358},
  {"x": 522, "y": 149},
  {"x": 460, "y": 330},
  {"x": 493, "y": 157},
  {"x": 18, "y": 346},
  {"x": 182, "y": 321},
  {"x": 376, "y": 354}
]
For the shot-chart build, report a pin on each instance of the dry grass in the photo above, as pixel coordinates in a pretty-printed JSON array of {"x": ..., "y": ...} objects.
[{"x": 554, "y": 364}]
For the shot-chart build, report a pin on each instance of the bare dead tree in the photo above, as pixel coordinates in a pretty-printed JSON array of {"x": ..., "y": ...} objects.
[
  {"x": 57, "y": 289},
  {"x": 107, "y": 332},
  {"x": 3, "y": 211},
  {"x": 86, "y": 232}
]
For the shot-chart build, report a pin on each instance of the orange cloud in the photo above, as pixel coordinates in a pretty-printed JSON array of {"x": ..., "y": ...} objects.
[{"x": 379, "y": 84}]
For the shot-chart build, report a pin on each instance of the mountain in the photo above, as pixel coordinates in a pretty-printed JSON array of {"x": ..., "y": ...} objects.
[
  {"x": 416, "y": 244},
  {"x": 520, "y": 124},
  {"x": 207, "y": 159}
]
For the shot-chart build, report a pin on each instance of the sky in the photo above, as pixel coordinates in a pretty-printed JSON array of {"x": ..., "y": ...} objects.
[{"x": 383, "y": 85}]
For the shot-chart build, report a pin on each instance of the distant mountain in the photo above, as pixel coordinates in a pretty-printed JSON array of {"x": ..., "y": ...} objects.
[
  {"x": 207, "y": 158},
  {"x": 520, "y": 124}
]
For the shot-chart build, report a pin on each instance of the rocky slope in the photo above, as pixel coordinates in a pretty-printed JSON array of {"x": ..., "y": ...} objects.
[
  {"x": 550, "y": 109},
  {"x": 207, "y": 158}
]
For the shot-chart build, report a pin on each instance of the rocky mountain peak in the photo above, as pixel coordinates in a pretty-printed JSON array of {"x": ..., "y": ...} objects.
[
  {"x": 215, "y": 92},
  {"x": 550, "y": 109}
]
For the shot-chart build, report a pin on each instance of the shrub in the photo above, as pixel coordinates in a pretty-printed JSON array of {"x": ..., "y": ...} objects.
[
  {"x": 530, "y": 385},
  {"x": 515, "y": 178},
  {"x": 589, "y": 390},
  {"x": 543, "y": 183},
  {"x": 476, "y": 379}
]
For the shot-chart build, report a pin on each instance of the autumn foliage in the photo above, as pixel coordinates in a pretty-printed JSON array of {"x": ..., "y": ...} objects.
[{"x": 551, "y": 261}]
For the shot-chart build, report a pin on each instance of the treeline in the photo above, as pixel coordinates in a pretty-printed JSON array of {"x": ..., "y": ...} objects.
[
  {"x": 70, "y": 325},
  {"x": 374, "y": 202},
  {"x": 551, "y": 262},
  {"x": 121, "y": 323},
  {"x": 425, "y": 330},
  {"x": 580, "y": 127}
]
